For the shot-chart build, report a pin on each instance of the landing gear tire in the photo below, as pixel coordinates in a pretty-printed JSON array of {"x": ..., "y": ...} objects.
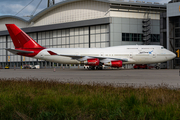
[
  {"x": 91, "y": 68},
  {"x": 99, "y": 68},
  {"x": 157, "y": 67}
]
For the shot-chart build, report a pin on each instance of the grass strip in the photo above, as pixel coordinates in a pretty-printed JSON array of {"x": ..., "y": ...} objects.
[{"x": 45, "y": 100}]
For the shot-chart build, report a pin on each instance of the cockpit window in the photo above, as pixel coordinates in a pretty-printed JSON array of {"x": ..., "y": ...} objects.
[{"x": 162, "y": 47}]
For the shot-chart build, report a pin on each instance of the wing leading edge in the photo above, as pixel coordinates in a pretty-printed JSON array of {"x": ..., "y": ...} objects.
[{"x": 83, "y": 58}]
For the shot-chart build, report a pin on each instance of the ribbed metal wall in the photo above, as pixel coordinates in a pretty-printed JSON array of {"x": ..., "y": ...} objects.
[{"x": 76, "y": 11}]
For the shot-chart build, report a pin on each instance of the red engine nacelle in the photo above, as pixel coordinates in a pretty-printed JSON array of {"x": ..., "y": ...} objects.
[
  {"x": 92, "y": 62},
  {"x": 117, "y": 63}
]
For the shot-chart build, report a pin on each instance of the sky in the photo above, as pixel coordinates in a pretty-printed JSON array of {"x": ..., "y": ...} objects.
[{"x": 14, "y": 7}]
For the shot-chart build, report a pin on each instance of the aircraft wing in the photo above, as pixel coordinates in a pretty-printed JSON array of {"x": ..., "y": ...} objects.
[
  {"x": 83, "y": 58},
  {"x": 14, "y": 51}
]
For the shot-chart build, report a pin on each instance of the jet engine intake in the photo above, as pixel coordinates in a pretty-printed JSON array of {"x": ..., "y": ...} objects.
[
  {"x": 92, "y": 62},
  {"x": 117, "y": 63}
]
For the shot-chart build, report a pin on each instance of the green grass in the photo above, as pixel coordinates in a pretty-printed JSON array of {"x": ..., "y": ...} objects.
[{"x": 42, "y": 100}]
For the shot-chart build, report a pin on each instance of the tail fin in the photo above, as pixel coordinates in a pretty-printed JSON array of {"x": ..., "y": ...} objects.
[{"x": 20, "y": 38}]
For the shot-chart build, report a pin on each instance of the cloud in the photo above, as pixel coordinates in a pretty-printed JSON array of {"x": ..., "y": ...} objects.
[
  {"x": 164, "y": 1},
  {"x": 12, "y": 7}
]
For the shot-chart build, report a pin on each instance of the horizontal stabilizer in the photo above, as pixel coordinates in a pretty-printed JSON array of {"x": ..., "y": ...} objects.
[{"x": 14, "y": 51}]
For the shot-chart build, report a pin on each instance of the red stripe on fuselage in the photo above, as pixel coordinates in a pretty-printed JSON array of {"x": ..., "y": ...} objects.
[{"x": 51, "y": 53}]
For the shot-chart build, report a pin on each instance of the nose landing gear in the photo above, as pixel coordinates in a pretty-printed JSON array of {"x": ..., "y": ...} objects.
[{"x": 158, "y": 66}]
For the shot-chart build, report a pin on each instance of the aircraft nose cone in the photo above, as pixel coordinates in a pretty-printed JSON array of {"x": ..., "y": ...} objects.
[{"x": 174, "y": 55}]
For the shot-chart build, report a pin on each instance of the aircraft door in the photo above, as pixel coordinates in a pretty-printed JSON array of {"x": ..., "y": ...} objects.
[
  {"x": 102, "y": 54},
  {"x": 131, "y": 55},
  {"x": 77, "y": 53},
  {"x": 41, "y": 55},
  {"x": 154, "y": 55},
  {"x": 139, "y": 48}
]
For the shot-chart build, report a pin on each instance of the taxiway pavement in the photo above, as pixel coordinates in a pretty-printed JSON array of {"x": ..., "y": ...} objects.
[{"x": 136, "y": 77}]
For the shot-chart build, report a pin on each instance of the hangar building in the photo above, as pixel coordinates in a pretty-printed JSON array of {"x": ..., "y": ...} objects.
[
  {"x": 170, "y": 31},
  {"x": 85, "y": 24}
]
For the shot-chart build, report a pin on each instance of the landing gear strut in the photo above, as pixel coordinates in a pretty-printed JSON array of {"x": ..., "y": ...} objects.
[{"x": 158, "y": 66}]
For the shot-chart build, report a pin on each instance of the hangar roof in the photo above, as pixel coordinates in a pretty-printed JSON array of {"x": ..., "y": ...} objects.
[
  {"x": 13, "y": 16},
  {"x": 124, "y": 2}
]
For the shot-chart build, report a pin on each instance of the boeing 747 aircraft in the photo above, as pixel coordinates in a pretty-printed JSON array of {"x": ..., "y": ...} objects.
[{"x": 93, "y": 57}]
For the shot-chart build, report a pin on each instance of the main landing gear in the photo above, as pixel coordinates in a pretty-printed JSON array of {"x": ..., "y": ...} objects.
[{"x": 95, "y": 68}]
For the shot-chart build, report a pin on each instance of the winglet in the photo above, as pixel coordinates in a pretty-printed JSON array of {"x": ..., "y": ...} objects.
[{"x": 52, "y": 53}]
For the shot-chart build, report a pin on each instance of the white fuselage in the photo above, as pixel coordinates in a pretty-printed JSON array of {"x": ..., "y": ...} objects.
[{"x": 135, "y": 54}]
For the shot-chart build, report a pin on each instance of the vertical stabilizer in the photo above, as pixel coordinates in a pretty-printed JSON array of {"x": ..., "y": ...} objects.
[{"x": 20, "y": 38}]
